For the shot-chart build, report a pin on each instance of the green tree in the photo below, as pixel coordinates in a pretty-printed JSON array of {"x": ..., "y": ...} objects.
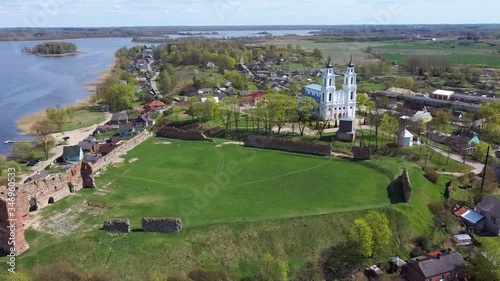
[
  {"x": 42, "y": 129},
  {"x": 273, "y": 269},
  {"x": 361, "y": 234},
  {"x": 442, "y": 117},
  {"x": 305, "y": 106},
  {"x": 482, "y": 269},
  {"x": 58, "y": 116},
  {"x": 389, "y": 125},
  {"x": 381, "y": 231},
  {"x": 317, "y": 53},
  {"x": 23, "y": 151},
  {"x": 119, "y": 96},
  {"x": 480, "y": 151}
]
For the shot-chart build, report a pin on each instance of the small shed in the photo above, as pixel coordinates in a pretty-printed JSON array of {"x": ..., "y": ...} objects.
[
  {"x": 396, "y": 264},
  {"x": 462, "y": 239},
  {"x": 406, "y": 139}
]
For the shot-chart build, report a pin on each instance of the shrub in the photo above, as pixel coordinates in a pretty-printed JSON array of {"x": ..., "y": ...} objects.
[
  {"x": 204, "y": 275},
  {"x": 432, "y": 175}
]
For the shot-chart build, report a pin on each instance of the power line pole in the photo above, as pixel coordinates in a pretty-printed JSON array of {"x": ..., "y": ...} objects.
[{"x": 484, "y": 170}]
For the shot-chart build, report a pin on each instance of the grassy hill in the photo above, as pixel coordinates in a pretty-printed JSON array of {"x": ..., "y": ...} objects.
[{"x": 293, "y": 206}]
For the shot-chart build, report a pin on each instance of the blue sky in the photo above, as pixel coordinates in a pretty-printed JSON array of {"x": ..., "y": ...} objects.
[{"x": 77, "y": 13}]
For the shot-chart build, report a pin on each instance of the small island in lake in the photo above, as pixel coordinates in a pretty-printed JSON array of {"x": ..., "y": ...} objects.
[{"x": 52, "y": 49}]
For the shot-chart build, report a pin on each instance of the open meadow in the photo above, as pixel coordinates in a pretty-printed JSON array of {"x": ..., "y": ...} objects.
[{"x": 236, "y": 204}]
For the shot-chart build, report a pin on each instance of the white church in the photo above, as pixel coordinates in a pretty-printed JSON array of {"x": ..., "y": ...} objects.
[{"x": 334, "y": 104}]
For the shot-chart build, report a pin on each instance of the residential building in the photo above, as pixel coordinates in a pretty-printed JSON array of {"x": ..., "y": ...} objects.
[
  {"x": 143, "y": 121},
  {"x": 442, "y": 94},
  {"x": 463, "y": 140},
  {"x": 119, "y": 118},
  {"x": 490, "y": 209},
  {"x": 93, "y": 158},
  {"x": 43, "y": 174},
  {"x": 107, "y": 148},
  {"x": 449, "y": 267},
  {"x": 89, "y": 146},
  {"x": 127, "y": 130},
  {"x": 333, "y": 103},
  {"x": 72, "y": 153},
  {"x": 422, "y": 116},
  {"x": 471, "y": 218}
]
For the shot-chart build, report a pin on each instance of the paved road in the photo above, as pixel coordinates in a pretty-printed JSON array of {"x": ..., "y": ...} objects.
[
  {"x": 153, "y": 79},
  {"x": 75, "y": 136},
  {"x": 478, "y": 167}
]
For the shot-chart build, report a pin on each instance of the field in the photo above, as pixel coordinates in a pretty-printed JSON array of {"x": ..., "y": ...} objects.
[
  {"x": 236, "y": 204},
  {"x": 84, "y": 118},
  {"x": 477, "y": 54}
]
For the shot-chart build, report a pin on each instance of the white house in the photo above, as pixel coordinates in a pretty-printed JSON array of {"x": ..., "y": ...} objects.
[
  {"x": 334, "y": 104},
  {"x": 215, "y": 99}
]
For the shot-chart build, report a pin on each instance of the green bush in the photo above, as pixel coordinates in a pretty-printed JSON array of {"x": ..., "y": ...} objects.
[{"x": 431, "y": 175}]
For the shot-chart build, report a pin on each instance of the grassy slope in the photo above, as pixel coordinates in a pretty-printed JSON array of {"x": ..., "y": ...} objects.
[{"x": 272, "y": 185}]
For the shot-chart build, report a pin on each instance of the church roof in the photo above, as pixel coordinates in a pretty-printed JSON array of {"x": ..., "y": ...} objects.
[
  {"x": 346, "y": 118},
  {"x": 314, "y": 87},
  {"x": 406, "y": 134}
]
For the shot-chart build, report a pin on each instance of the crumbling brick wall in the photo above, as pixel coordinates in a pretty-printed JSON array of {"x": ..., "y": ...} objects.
[
  {"x": 118, "y": 225},
  {"x": 166, "y": 225},
  {"x": 12, "y": 232},
  {"x": 288, "y": 145},
  {"x": 40, "y": 193},
  {"x": 406, "y": 185},
  {"x": 121, "y": 150},
  {"x": 174, "y": 133}
]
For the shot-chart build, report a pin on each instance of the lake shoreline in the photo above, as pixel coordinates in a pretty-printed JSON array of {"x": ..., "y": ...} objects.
[{"x": 25, "y": 123}]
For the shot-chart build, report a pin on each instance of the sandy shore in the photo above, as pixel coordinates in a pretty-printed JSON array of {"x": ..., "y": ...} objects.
[{"x": 25, "y": 123}]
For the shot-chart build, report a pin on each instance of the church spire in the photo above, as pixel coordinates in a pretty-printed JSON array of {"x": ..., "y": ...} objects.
[
  {"x": 350, "y": 64},
  {"x": 329, "y": 64}
]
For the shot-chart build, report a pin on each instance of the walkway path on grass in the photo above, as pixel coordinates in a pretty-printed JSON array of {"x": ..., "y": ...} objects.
[{"x": 478, "y": 167}]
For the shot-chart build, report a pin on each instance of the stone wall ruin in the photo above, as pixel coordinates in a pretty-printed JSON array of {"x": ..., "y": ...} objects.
[
  {"x": 165, "y": 225},
  {"x": 406, "y": 185},
  {"x": 117, "y": 226},
  {"x": 288, "y": 145},
  {"x": 174, "y": 133},
  {"x": 38, "y": 194}
]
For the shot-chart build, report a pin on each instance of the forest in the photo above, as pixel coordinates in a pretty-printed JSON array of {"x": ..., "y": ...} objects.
[{"x": 52, "y": 48}]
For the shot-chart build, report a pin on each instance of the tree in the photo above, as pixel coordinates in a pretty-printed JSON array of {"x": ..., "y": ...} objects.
[
  {"x": 480, "y": 151},
  {"x": 177, "y": 110},
  {"x": 23, "y": 151},
  {"x": 381, "y": 231},
  {"x": 119, "y": 96},
  {"x": 58, "y": 116},
  {"x": 361, "y": 100},
  {"x": 482, "y": 269},
  {"x": 194, "y": 109},
  {"x": 490, "y": 182},
  {"x": 442, "y": 117},
  {"x": 361, "y": 234},
  {"x": 369, "y": 49},
  {"x": 273, "y": 269},
  {"x": 42, "y": 129},
  {"x": 317, "y": 53},
  {"x": 305, "y": 106},
  {"x": 389, "y": 124}
]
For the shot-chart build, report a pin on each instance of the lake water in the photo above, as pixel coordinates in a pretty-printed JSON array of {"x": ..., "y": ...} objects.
[{"x": 30, "y": 84}]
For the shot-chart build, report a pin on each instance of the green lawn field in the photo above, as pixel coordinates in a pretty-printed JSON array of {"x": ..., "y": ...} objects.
[{"x": 236, "y": 204}]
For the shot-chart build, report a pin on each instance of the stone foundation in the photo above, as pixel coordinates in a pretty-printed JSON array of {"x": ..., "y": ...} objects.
[
  {"x": 166, "y": 225},
  {"x": 174, "y": 133},
  {"x": 117, "y": 226},
  {"x": 287, "y": 145}
]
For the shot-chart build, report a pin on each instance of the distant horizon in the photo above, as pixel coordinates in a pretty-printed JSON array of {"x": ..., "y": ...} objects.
[
  {"x": 246, "y": 25},
  {"x": 128, "y": 13}
]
